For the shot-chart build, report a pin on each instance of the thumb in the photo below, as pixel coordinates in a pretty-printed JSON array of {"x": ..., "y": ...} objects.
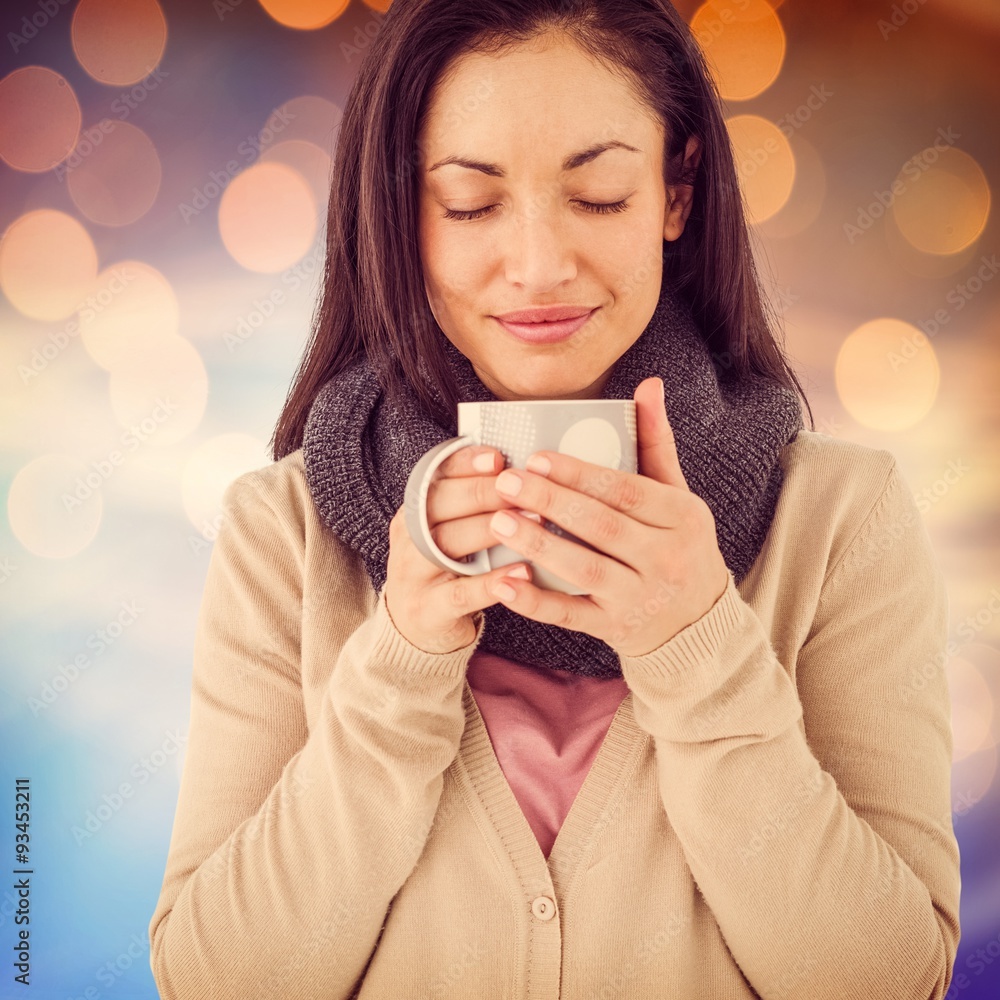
[{"x": 657, "y": 448}]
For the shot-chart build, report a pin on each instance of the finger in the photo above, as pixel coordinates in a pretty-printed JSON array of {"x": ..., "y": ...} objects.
[
  {"x": 462, "y": 536},
  {"x": 657, "y": 448},
  {"x": 467, "y": 594},
  {"x": 463, "y": 496},
  {"x": 614, "y": 533},
  {"x": 641, "y": 498},
  {"x": 472, "y": 460},
  {"x": 417, "y": 566},
  {"x": 594, "y": 572},
  {"x": 579, "y": 613}
]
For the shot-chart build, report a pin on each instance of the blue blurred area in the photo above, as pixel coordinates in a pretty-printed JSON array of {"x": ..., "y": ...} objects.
[{"x": 95, "y": 712}]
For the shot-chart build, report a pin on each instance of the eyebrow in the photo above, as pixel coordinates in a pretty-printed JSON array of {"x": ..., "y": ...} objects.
[{"x": 574, "y": 160}]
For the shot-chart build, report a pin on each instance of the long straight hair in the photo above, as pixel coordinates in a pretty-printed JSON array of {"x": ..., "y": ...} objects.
[{"x": 373, "y": 299}]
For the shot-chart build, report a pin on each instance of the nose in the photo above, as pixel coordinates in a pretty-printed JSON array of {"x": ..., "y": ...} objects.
[{"x": 538, "y": 253}]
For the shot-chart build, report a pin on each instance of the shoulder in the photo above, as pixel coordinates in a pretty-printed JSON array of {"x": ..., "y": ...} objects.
[
  {"x": 279, "y": 486},
  {"x": 272, "y": 505},
  {"x": 841, "y": 493},
  {"x": 831, "y": 463}
]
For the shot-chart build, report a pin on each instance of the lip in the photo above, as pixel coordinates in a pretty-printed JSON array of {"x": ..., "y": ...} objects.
[
  {"x": 545, "y": 324},
  {"x": 544, "y": 314}
]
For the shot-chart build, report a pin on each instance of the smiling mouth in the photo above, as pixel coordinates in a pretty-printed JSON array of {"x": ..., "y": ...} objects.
[{"x": 546, "y": 331}]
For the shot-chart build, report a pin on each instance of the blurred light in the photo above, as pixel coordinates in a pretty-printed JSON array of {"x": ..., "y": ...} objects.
[
  {"x": 131, "y": 306},
  {"x": 118, "y": 181},
  {"x": 39, "y": 119},
  {"x": 54, "y": 505},
  {"x": 311, "y": 162},
  {"x": 47, "y": 264},
  {"x": 310, "y": 118},
  {"x": 119, "y": 42},
  {"x": 765, "y": 164},
  {"x": 304, "y": 14},
  {"x": 978, "y": 15},
  {"x": 267, "y": 217},
  {"x": 887, "y": 375},
  {"x": 971, "y": 778},
  {"x": 971, "y": 707},
  {"x": 806, "y": 200},
  {"x": 925, "y": 265},
  {"x": 744, "y": 45},
  {"x": 159, "y": 394},
  {"x": 379, "y": 6},
  {"x": 944, "y": 200},
  {"x": 212, "y": 466}
]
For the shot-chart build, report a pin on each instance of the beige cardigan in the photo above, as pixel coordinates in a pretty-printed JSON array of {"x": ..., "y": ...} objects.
[{"x": 769, "y": 814}]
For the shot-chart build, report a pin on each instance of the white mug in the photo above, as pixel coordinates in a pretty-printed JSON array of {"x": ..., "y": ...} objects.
[{"x": 600, "y": 431}]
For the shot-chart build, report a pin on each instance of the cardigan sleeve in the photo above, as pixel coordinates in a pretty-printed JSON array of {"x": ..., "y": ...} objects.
[
  {"x": 288, "y": 845},
  {"x": 815, "y": 813}
]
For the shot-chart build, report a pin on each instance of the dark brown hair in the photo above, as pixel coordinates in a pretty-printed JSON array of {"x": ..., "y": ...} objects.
[{"x": 374, "y": 301}]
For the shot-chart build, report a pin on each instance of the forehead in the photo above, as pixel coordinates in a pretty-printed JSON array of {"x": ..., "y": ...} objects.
[{"x": 547, "y": 90}]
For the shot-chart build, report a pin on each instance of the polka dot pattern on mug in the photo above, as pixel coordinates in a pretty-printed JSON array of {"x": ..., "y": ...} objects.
[
  {"x": 630, "y": 424},
  {"x": 595, "y": 440},
  {"x": 511, "y": 430}
]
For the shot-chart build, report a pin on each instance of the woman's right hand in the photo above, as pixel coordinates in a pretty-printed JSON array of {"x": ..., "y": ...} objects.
[{"x": 432, "y": 607}]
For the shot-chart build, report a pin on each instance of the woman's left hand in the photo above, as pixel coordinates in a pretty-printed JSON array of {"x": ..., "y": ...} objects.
[{"x": 658, "y": 567}]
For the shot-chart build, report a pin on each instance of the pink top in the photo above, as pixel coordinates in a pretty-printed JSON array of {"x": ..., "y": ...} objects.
[{"x": 546, "y": 727}]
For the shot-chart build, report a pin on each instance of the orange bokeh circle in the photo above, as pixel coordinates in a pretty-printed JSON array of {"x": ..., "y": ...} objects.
[
  {"x": 39, "y": 119},
  {"x": 119, "y": 42}
]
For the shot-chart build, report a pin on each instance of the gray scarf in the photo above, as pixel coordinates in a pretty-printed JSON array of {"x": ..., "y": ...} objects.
[{"x": 359, "y": 450}]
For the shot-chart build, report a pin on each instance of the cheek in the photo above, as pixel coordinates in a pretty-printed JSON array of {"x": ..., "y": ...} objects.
[
  {"x": 640, "y": 239},
  {"x": 437, "y": 272},
  {"x": 634, "y": 264},
  {"x": 431, "y": 250},
  {"x": 451, "y": 262}
]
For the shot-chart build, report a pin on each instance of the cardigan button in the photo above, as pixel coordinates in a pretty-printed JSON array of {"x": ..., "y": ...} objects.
[{"x": 543, "y": 908}]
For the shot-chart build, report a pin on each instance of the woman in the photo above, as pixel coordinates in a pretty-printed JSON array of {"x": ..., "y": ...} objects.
[{"x": 713, "y": 776}]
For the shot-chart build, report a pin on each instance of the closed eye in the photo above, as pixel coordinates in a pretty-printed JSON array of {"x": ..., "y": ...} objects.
[{"x": 599, "y": 208}]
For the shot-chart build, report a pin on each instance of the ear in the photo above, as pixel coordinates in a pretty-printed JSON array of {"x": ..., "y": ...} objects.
[{"x": 680, "y": 196}]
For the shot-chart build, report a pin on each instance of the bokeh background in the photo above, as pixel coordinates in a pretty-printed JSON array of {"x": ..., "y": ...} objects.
[{"x": 164, "y": 171}]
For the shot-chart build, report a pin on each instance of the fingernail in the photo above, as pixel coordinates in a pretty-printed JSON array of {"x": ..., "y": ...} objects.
[
  {"x": 521, "y": 572},
  {"x": 503, "y": 524},
  {"x": 530, "y": 515},
  {"x": 484, "y": 462},
  {"x": 504, "y": 592},
  {"x": 538, "y": 464},
  {"x": 509, "y": 482}
]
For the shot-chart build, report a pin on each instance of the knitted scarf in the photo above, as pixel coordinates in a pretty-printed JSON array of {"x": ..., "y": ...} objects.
[{"x": 359, "y": 449}]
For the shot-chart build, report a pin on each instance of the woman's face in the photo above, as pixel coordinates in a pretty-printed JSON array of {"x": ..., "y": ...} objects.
[{"x": 533, "y": 127}]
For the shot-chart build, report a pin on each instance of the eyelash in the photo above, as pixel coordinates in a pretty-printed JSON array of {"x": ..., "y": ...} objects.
[{"x": 598, "y": 208}]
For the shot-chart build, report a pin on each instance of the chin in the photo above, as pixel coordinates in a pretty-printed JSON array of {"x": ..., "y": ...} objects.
[
  {"x": 539, "y": 378},
  {"x": 549, "y": 389}
]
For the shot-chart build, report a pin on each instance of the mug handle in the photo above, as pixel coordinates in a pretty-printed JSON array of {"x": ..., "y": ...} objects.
[{"x": 415, "y": 500}]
